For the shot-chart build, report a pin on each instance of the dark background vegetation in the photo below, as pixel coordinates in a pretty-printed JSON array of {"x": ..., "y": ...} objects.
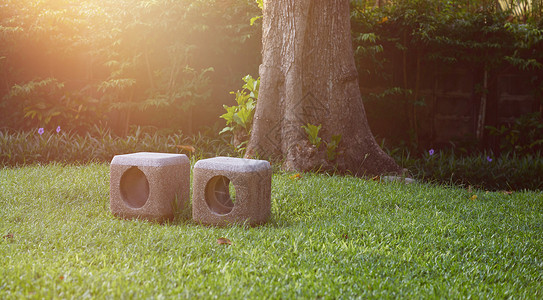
[
  {"x": 452, "y": 73},
  {"x": 462, "y": 77}
]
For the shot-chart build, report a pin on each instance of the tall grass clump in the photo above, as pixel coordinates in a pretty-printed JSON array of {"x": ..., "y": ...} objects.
[
  {"x": 30, "y": 147},
  {"x": 508, "y": 171}
]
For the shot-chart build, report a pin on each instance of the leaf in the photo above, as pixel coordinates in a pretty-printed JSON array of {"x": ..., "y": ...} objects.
[
  {"x": 368, "y": 37},
  {"x": 242, "y": 98},
  {"x": 31, "y": 114},
  {"x": 331, "y": 147},
  {"x": 254, "y": 19},
  {"x": 119, "y": 84},
  {"x": 239, "y": 121},
  {"x": 226, "y": 129},
  {"x": 260, "y": 3},
  {"x": 229, "y": 115},
  {"x": 312, "y": 134},
  {"x": 224, "y": 241},
  {"x": 243, "y": 117},
  {"x": 186, "y": 148},
  {"x": 250, "y": 105},
  {"x": 296, "y": 176},
  {"x": 336, "y": 139}
]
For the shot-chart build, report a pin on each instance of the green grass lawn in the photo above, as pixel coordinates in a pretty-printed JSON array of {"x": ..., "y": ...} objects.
[{"x": 329, "y": 237}]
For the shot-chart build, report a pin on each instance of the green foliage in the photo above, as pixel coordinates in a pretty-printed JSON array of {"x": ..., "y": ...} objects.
[
  {"x": 527, "y": 39},
  {"x": 509, "y": 171},
  {"x": 523, "y": 136},
  {"x": 40, "y": 98},
  {"x": 312, "y": 132},
  {"x": 260, "y": 3},
  {"x": 261, "y": 6},
  {"x": 118, "y": 57},
  {"x": 401, "y": 48},
  {"x": 239, "y": 118},
  {"x": 48, "y": 101},
  {"x": 100, "y": 145}
]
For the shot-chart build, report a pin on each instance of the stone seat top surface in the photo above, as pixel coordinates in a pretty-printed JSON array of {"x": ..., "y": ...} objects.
[
  {"x": 150, "y": 159},
  {"x": 233, "y": 164}
]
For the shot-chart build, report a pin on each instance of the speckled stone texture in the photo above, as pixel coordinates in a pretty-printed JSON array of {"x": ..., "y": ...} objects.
[
  {"x": 211, "y": 201},
  {"x": 149, "y": 186}
]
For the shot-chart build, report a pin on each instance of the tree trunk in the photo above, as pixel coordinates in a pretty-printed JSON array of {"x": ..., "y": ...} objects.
[
  {"x": 481, "y": 116},
  {"x": 308, "y": 75}
]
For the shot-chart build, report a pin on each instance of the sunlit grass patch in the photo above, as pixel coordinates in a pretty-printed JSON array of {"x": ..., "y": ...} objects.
[{"x": 329, "y": 237}]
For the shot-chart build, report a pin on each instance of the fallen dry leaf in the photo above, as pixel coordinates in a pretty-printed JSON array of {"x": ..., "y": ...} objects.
[
  {"x": 296, "y": 176},
  {"x": 8, "y": 236},
  {"x": 186, "y": 148},
  {"x": 224, "y": 241},
  {"x": 473, "y": 197}
]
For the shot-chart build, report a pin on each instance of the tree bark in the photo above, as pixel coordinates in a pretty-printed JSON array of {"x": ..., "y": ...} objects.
[{"x": 308, "y": 75}]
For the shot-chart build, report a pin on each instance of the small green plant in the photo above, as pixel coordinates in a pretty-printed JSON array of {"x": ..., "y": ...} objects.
[
  {"x": 313, "y": 134},
  {"x": 239, "y": 118},
  {"x": 331, "y": 147}
]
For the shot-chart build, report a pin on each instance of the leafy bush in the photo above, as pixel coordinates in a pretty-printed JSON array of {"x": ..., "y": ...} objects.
[
  {"x": 402, "y": 49},
  {"x": 76, "y": 63},
  {"x": 239, "y": 118},
  {"x": 524, "y": 135}
]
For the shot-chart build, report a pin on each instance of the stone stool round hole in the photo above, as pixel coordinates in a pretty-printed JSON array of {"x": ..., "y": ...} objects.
[
  {"x": 228, "y": 190},
  {"x": 220, "y": 195},
  {"x": 134, "y": 187},
  {"x": 149, "y": 186}
]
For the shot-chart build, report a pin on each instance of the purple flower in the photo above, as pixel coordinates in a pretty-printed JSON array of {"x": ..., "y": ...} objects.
[
  {"x": 488, "y": 158},
  {"x": 431, "y": 152},
  {"x": 58, "y": 129},
  {"x": 41, "y": 130}
]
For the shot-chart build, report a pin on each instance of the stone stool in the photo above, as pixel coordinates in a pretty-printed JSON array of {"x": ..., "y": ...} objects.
[
  {"x": 211, "y": 200},
  {"x": 149, "y": 186}
]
